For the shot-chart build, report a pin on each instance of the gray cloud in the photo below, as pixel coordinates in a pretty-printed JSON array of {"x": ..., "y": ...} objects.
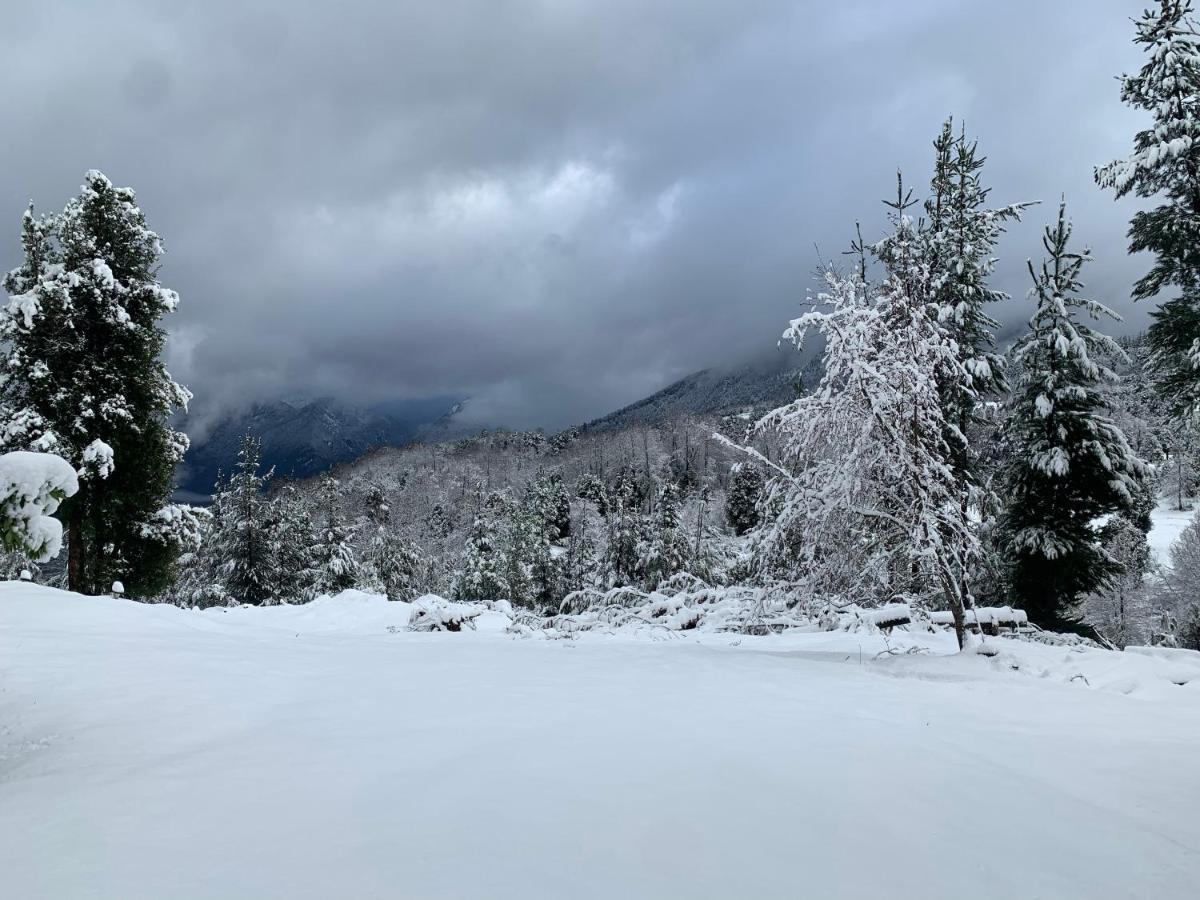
[{"x": 556, "y": 207}]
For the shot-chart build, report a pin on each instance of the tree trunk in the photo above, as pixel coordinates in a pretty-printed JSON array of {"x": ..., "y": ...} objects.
[
  {"x": 960, "y": 623},
  {"x": 75, "y": 552}
]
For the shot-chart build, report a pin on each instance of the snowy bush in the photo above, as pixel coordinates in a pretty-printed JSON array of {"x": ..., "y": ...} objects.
[
  {"x": 433, "y": 613},
  {"x": 31, "y": 487}
]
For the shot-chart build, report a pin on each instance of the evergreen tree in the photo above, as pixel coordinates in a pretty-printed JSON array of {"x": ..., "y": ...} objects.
[
  {"x": 959, "y": 237},
  {"x": 579, "y": 562},
  {"x": 1070, "y": 464},
  {"x": 292, "y": 545},
  {"x": 241, "y": 540},
  {"x": 81, "y": 376},
  {"x": 1166, "y": 163},
  {"x": 666, "y": 551},
  {"x": 392, "y": 563},
  {"x": 334, "y": 559},
  {"x": 625, "y": 533},
  {"x": 547, "y": 496},
  {"x": 745, "y": 492},
  {"x": 482, "y": 574},
  {"x": 524, "y": 541}
]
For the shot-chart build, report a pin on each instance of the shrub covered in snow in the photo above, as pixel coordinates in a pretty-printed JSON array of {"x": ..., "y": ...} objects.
[
  {"x": 434, "y": 613},
  {"x": 31, "y": 487}
]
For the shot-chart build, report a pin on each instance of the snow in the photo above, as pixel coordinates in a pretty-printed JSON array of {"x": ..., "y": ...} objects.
[
  {"x": 97, "y": 458},
  {"x": 1166, "y": 524},
  {"x": 326, "y": 751},
  {"x": 29, "y": 483}
]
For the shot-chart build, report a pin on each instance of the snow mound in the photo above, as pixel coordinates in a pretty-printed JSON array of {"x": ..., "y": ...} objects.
[{"x": 348, "y": 612}]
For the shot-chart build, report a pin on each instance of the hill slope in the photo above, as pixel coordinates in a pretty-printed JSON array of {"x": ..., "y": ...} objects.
[
  {"x": 302, "y": 438},
  {"x": 759, "y": 384}
]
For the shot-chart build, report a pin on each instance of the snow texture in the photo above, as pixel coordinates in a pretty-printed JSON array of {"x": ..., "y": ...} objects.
[{"x": 314, "y": 752}]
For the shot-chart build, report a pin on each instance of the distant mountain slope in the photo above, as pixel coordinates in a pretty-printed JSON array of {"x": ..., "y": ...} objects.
[
  {"x": 760, "y": 384},
  {"x": 302, "y": 438}
]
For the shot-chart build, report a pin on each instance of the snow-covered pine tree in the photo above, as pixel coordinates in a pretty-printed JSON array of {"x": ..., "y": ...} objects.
[
  {"x": 482, "y": 573},
  {"x": 292, "y": 545},
  {"x": 81, "y": 375},
  {"x": 391, "y": 563},
  {"x": 548, "y": 499},
  {"x": 333, "y": 553},
  {"x": 241, "y": 541},
  {"x": 1069, "y": 463},
  {"x": 665, "y": 552},
  {"x": 626, "y": 532},
  {"x": 1166, "y": 163},
  {"x": 865, "y": 505},
  {"x": 579, "y": 564},
  {"x": 741, "y": 501},
  {"x": 960, "y": 236}
]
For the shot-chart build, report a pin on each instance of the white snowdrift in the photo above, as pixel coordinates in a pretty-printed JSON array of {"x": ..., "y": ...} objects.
[{"x": 316, "y": 751}]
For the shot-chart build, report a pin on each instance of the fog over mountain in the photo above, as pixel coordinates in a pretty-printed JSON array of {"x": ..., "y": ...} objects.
[{"x": 554, "y": 209}]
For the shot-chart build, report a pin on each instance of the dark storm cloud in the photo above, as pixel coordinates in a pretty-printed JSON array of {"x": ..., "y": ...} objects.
[{"x": 554, "y": 206}]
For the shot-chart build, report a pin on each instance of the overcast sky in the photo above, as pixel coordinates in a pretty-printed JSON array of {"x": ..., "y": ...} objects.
[{"x": 554, "y": 206}]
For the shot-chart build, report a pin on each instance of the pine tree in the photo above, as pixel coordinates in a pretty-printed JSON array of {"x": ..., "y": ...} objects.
[
  {"x": 741, "y": 502},
  {"x": 626, "y": 530},
  {"x": 579, "y": 563},
  {"x": 666, "y": 552},
  {"x": 241, "y": 541},
  {"x": 548, "y": 499},
  {"x": 333, "y": 554},
  {"x": 82, "y": 376},
  {"x": 961, "y": 235},
  {"x": 482, "y": 574},
  {"x": 1070, "y": 464},
  {"x": 1166, "y": 162},
  {"x": 524, "y": 540},
  {"x": 293, "y": 540}
]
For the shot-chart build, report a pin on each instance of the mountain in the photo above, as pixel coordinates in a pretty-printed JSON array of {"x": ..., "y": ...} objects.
[
  {"x": 760, "y": 383},
  {"x": 304, "y": 437}
]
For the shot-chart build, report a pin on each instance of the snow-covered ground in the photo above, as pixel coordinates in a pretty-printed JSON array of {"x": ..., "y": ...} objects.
[
  {"x": 1166, "y": 524},
  {"x": 311, "y": 752}
]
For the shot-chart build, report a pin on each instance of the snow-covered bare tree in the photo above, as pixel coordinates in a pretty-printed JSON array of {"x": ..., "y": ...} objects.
[
  {"x": 1166, "y": 163},
  {"x": 81, "y": 376},
  {"x": 1069, "y": 464},
  {"x": 1122, "y": 611},
  {"x": 864, "y": 505}
]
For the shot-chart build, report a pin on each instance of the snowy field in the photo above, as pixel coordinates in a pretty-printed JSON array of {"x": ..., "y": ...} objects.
[
  {"x": 309, "y": 752},
  {"x": 1166, "y": 524}
]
